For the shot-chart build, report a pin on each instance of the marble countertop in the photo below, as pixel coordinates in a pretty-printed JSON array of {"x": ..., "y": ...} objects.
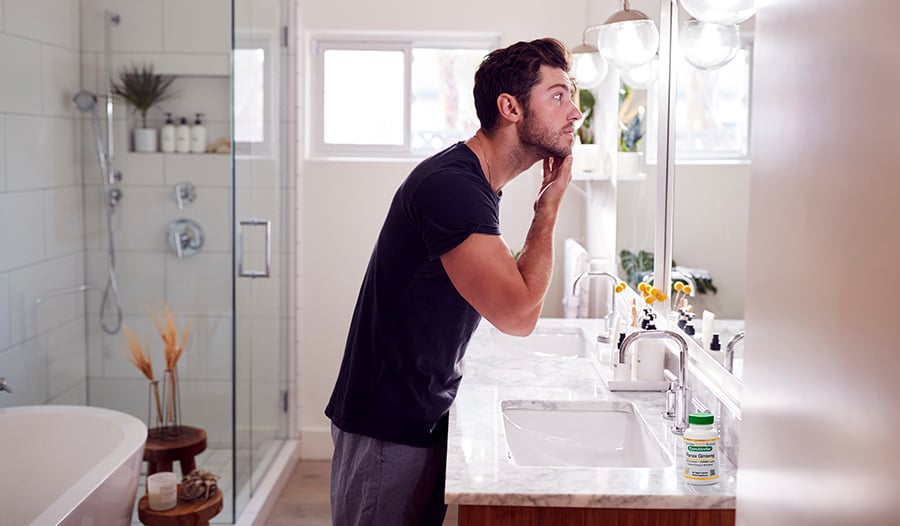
[{"x": 479, "y": 471}]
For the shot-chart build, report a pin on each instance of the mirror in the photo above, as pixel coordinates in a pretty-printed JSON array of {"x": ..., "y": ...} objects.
[
  {"x": 708, "y": 182},
  {"x": 711, "y": 187}
]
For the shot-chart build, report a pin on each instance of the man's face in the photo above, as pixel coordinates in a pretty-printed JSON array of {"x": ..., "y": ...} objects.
[{"x": 548, "y": 121}]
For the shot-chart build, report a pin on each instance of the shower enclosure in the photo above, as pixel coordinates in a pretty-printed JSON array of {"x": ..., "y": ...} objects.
[{"x": 99, "y": 238}]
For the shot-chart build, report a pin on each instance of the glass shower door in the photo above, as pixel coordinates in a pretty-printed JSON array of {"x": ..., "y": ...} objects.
[{"x": 262, "y": 245}]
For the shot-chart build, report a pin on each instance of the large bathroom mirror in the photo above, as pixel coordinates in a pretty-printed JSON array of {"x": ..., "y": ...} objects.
[
  {"x": 711, "y": 181},
  {"x": 708, "y": 183}
]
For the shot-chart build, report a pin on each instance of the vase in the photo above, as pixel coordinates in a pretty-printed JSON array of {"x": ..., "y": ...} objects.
[
  {"x": 586, "y": 158},
  {"x": 171, "y": 421},
  {"x": 154, "y": 400},
  {"x": 145, "y": 140}
]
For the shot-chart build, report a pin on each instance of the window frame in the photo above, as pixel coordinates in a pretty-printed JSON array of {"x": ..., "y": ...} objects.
[{"x": 405, "y": 42}]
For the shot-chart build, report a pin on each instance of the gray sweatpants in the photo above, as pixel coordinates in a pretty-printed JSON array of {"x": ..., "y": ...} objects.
[{"x": 379, "y": 483}]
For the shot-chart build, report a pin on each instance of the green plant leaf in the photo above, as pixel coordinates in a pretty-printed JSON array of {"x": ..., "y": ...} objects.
[{"x": 140, "y": 87}]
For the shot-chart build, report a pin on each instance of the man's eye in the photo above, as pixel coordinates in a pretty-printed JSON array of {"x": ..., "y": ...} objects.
[{"x": 558, "y": 96}]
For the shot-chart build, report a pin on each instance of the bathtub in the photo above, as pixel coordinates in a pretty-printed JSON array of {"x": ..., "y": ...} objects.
[{"x": 68, "y": 465}]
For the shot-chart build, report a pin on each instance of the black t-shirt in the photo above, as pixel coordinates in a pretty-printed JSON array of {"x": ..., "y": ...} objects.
[{"x": 410, "y": 328}]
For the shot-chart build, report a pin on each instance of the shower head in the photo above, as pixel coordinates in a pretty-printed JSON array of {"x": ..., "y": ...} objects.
[{"x": 85, "y": 100}]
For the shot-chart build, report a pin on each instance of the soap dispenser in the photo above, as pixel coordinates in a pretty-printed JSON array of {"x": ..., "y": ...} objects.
[
  {"x": 167, "y": 135},
  {"x": 183, "y": 136},
  {"x": 198, "y": 135}
]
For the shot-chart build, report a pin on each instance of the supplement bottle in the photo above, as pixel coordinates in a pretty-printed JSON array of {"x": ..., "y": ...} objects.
[{"x": 701, "y": 450}]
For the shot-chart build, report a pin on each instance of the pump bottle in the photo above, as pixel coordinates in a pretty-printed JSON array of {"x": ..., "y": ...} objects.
[
  {"x": 198, "y": 135},
  {"x": 167, "y": 135},
  {"x": 183, "y": 136}
]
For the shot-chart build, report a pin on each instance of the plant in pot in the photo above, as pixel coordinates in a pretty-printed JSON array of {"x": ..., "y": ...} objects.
[
  {"x": 630, "y": 134},
  {"x": 141, "y": 88},
  {"x": 587, "y": 154}
]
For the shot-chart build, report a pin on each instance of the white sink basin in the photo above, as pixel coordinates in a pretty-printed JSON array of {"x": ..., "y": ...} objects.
[
  {"x": 563, "y": 342},
  {"x": 587, "y": 433}
]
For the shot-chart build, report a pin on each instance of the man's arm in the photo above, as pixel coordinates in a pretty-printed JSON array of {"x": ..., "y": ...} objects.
[{"x": 506, "y": 291}]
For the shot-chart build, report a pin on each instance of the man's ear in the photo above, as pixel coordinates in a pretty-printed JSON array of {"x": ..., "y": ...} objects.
[{"x": 509, "y": 107}]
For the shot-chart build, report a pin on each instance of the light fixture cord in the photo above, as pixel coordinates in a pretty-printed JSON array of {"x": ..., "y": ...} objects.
[{"x": 627, "y": 6}]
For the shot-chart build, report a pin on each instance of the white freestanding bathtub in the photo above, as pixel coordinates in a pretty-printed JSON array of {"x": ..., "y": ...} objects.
[{"x": 69, "y": 465}]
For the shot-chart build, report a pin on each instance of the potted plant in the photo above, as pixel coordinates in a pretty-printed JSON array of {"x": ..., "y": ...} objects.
[
  {"x": 587, "y": 154},
  {"x": 140, "y": 87},
  {"x": 630, "y": 134}
]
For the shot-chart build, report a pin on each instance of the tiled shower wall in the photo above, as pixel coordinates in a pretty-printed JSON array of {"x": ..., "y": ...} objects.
[
  {"x": 42, "y": 345},
  {"x": 192, "y": 41}
]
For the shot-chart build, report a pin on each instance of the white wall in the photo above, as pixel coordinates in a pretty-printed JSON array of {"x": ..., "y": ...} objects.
[
  {"x": 42, "y": 352},
  {"x": 343, "y": 203},
  {"x": 821, "y": 394}
]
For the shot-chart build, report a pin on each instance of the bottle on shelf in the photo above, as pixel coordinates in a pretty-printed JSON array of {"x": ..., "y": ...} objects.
[
  {"x": 183, "y": 136},
  {"x": 167, "y": 135},
  {"x": 198, "y": 135}
]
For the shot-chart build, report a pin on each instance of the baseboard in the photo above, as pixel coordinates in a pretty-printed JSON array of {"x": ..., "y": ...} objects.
[{"x": 315, "y": 444}]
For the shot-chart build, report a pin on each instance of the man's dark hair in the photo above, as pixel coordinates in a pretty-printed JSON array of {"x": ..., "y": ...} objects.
[{"x": 514, "y": 70}]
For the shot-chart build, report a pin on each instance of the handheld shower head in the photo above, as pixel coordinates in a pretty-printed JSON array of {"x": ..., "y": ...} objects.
[{"x": 85, "y": 101}]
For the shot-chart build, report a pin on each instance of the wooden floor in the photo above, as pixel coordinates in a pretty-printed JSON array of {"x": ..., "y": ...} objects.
[{"x": 305, "y": 502}]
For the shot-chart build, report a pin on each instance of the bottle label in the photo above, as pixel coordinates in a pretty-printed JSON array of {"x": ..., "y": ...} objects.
[{"x": 701, "y": 462}]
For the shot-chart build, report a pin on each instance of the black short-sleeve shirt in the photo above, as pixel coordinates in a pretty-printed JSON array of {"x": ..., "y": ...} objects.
[{"x": 410, "y": 327}]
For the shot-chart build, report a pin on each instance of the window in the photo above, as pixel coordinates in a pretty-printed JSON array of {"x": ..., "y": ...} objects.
[
  {"x": 252, "y": 85},
  {"x": 712, "y": 112},
  {"x": 393, "y": 96}
]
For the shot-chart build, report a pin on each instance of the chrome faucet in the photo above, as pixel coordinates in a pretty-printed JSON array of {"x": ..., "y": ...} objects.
[
  {"x": 4, "y": 386},
  {"x": 729, "y": 350},
  {"x": 682, "y": 391},
  {"x": 611, "y": 315}
]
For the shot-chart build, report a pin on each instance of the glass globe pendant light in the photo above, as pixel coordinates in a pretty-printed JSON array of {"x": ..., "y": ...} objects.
[
  {"x": 589, "y": 68},
  {"x": 725, "y": 12},
  {"x": 642, "y": 76},
  {"x": 628, "y": 38},
  {"x": 708, "y": 46}
]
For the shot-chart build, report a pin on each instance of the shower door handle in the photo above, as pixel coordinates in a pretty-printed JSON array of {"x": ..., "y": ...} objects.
[{"x": 254, "y": 222}]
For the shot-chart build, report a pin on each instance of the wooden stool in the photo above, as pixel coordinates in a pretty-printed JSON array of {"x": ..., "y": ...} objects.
[
  {"x": 179, "y": 443},
  {"x": 183, "y": 514}
]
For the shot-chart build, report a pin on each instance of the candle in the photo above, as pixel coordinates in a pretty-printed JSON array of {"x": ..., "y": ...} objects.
[{"x": 162, "y": 491}]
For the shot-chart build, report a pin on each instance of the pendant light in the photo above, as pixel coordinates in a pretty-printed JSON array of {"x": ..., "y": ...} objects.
[
  {"x": 642, "y": 76},
  {"x": 725, "y": 12},
  {"x": 628, "y": 38},
  {"x": 589, "y": 68},
  {"x": 708, "y": 46}
]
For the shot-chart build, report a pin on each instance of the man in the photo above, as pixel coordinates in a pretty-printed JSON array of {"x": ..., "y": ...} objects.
[{"x": 438, "y": 266}]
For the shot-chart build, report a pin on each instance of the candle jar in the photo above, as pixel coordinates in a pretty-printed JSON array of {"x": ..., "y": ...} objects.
[{"x": 162, "y": 491}]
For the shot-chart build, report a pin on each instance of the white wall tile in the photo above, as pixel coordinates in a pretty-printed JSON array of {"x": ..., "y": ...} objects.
[
  {"x": 20, "y": 62},
  {"x": 128, "y": 395},
  {"x": 60, "y": 80},
  {"x": 50, "y": 21},
  {"x": 207, "y": 404},
  {"x": 207, "y": 95},
  {"x": 21, "y": 214},
  {"x": 201, "y": 169},
  {"x": 41, "y": 152},
  {"x": 63, "y": 226},
  {"x": 76, "y": 395},
  {"x": 41, "y": 280},
  {"x": 139, "y": 29},
  {"x": 142, "y": 220},
  {"x": 2, "y": 22},
  {"x": 199, "y": 26},
  {"x": 187, "y": 292},
  {"x": 25, "y": 372},
  {"x": 141, "y": 279},
  {"x": 64, "y": 349},
  {"x": 140, "y": 169},
  {"x": 5, "y": 339}
]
